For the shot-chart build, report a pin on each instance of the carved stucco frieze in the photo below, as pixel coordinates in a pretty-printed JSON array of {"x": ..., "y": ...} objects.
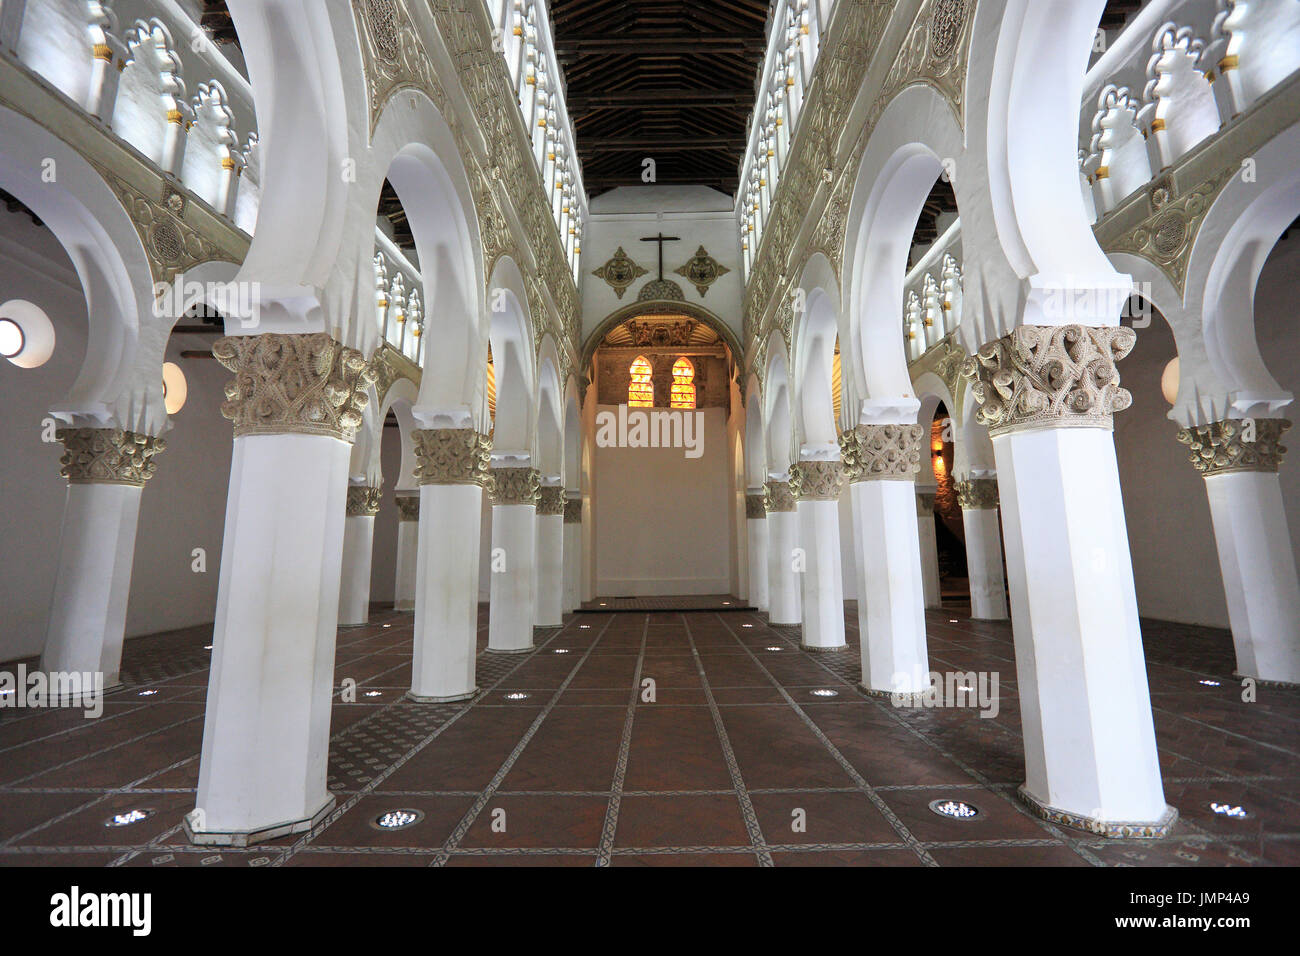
[
  {"x": 516, "y": 486},
  {"x": 108, "y": 456},
  {"x": 408, "y": 507},
  {"x": 392, "y": 55},
  {"x": 305, "y": 384},
  {"x": 778, "y": 498},
  {"x": 363, "y": 500},
  {"x": 755, "y": 506},
  {"x": 453, "y": 456},
  {"x": 550, "y": 502},
  {"x": 977, "y": 494},
  {"x": 925, "y": 504},
  {"x": 391, "y": 366},
  {"x": 573, "y": 511},
  {"x": 882, "y": 452},
  {"x": 1050, "y": 376},
  {"x": 816, "y": 480},
  {"x": 1233, "y": 445}
]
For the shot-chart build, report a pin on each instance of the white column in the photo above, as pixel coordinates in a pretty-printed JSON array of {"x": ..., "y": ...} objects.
[
  {"x": 816, "y": 486},
  {"x": 106, "y": 470},
  {"x": 452, "y": 470},
  {"x": 572, "y": 553},
  {"x": 408, "y": 549},
  {"x": 783, "y": 581},
  {"x": 929, "y": 545},
  {"x": 1090, "y": 749},
  {"x": 514, "y": 554},
  {"x": 178, "y": 126},
  {"x": 550, "y": 556},
  {"x": 978, "y": 497},
  {"x": 756, "y": 523},
  {"x": 358, "y": 541},
  {"x": 1254, "y": 543},
  {"x": 266, "y": 729},
  {"x": 881, "y": 461}
]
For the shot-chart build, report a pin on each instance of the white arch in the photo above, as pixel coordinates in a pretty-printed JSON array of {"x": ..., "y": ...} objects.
[
  {"x": 816, "y": 330},
  {"x": 515, "y": 360},
  {"x": 777, "y": 409}
]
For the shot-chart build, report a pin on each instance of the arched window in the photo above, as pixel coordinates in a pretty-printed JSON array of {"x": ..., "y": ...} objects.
[
  {"x": 641, "y": 390},
  {"x": 683, "y": 394}
]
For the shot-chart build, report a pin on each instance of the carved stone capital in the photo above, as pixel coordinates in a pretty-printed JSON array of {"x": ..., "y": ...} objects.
[
  {"x": 453, "y": 456},
  {"x": 107, "y": 456},
  {"x": 300, "y": 384},
  {"x": 1050, "y": 376},
  {"x": 363, "y": 501},
  {"x": 756, "y": 506},
  {"x": 816, "y": 480},
  {"x": 550, "y": 502},
  {"x": 778, "y": 497},
  {"x": 409, "y": 506},
  {"x": 515, "y": 486},
  {"x": 1220, "y": 448},
  {"x": 573, "y": 511},
  {"x": 977, "y": 494},
  {"x": 925, "y": 504},
  {"x": 882, "y": 452}
]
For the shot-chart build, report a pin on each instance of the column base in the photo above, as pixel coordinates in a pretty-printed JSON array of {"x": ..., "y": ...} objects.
[
  {"x": 83, "y": 698},
  {"x": 1265, "y": 682},
  {"x": 821, "y": 649},
  {"x": 419, "y": 699},
  {"x": 913, "y": 698},
  {"x": 513, "y": 650},
  {"x": 1111, "y": 829},
  {"x": 240, "y": 838},
  {"x": 404, "y": 606}
]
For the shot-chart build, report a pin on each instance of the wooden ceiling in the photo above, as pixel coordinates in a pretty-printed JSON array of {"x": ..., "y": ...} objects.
[{"x": 669, "y": 80}]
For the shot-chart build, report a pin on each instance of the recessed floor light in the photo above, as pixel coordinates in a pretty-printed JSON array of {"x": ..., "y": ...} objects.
[
  {"x": 584, "y": 626},
  {"x": 954, "y": 809},
  {"x": 952, "y": 620},
  {"x": 561, "y": 650},
  {"x": 1228, "y": 810},
  {"x": 516, "y": 695},
  {"x": 825, "y": 692},
  {"x": 388, "y": 625},
  {"x": 207, "y": 647},
  {"x": 397, "y": 819},
  {"x": 147, "y": 693},
  {"x": 374, "y": 693},
  {"x": 726, "y": 602},
  {"x": 603, "y": 604},
  {"x": 1210, "y": 683},
  {"x": 771, "y": 648},
  {"x": 747, "y": 625},
  {"x": 127, "y": 818}
]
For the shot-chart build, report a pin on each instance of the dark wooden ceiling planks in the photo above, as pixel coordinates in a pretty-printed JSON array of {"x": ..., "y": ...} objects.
[{"x": 668, "y": 80}]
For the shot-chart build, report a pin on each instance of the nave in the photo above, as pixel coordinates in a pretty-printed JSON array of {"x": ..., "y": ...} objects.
[{"x": 745, "y": 750}]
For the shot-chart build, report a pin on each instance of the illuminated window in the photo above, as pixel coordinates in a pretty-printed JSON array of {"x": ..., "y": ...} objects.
[
  {"x": 641, "y": 390},
  {"x": 683, "y": 395}
]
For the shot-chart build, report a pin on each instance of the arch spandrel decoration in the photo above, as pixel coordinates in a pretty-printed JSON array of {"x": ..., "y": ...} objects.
[{"x": 390, "y": 367}]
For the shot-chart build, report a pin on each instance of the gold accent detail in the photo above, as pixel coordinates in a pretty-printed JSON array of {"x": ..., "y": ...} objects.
[
  {"x": 1157, "y": 124},
  {"x": 102, "y": 51},
  {"x": 107, "y": 456},
  {"x": 1229, "y": 62},
  {"x": 1103, "y": 172},
  {"x": 174, "y": 116}
]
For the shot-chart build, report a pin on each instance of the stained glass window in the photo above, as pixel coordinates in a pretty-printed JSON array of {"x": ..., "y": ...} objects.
[
  {"x": 641, "y": 390},
  {"x": 683, "y": 394}
]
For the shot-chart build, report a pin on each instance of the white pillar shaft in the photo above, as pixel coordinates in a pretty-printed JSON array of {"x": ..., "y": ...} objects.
[
  {"x": 446, "y": 599},
  {"x": 550, "y": 571},
  {"x": 514, "y": 542},
  {"x": 891, "y": 599},
  {"x": 93, "y": 580},
  {"x": 823, "y": 584},
  {"x": 988, "y": 591},
  {"x": 783, "y": 594},
  {"x": 408, "y": 545},
  {"x": 1090, "y": 745},
  {"x": 266, "y": 730},
  {"x": 929, "y": 550},
  {"x": 758, "y": 563},
  {"x": 1259, "y": 573},
  {"x": 354, "y": 582},
  {"x": 572, "y": 566},
  {"x": 173, "y": 154}
]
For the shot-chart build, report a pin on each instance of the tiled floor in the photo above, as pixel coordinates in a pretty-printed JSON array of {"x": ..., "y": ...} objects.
[{"x": 654, "y": 738}]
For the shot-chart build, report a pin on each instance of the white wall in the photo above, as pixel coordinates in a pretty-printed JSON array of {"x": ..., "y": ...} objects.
[
  {"x": 1175, "y": 564},
  {"x": 662, "y": 520}
]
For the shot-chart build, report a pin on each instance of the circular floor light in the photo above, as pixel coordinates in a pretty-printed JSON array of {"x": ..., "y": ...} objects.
[
  {"x": 1229, "y": 810},
  {"x": 516, "y": 695},
  {"x": 954, "y": 809},
  {"x": 825, "y": 692},
  {"x": 128, "y": 817},
  {"x": 397, "y": 819},
  {"x": 26, "y": 334}
]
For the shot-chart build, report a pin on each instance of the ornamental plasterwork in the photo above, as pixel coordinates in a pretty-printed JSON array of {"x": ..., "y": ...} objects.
[
  {"x": 363, "y": 501},
  {"x": 516, "y": 486},
  {"x": 661, "y": 334},
  {"x": 882, "y": 452},
  {"x": 301, "y": 384},
  {"x": 935, "y": 52},
  {"x": 1045, "y": 376},
  {"x": 816, "y": 480},
  {"x": 391, "y": 366},
  {"x": 108, "y": 456},
  {"x": 392, "y": 55},
  {"x": 1166, "y": 236},
  {"x": 946, "y": 360},
  {"x": 778, "y": 498},
  {"x": 573, "y": 511},
  {"x": 925, "y": 504},
  {"x": 408, "y": 507},
  {"x": 550, "y": 502},
  {"x": 755, "y": 507},
  {"x": 977, "y": 494},
  {"x": 453, "y": 456},
  {"x": 702, "y": 270},
  {"x": 619, "y": 272},
  {"x": 1236, "y": 445}
]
